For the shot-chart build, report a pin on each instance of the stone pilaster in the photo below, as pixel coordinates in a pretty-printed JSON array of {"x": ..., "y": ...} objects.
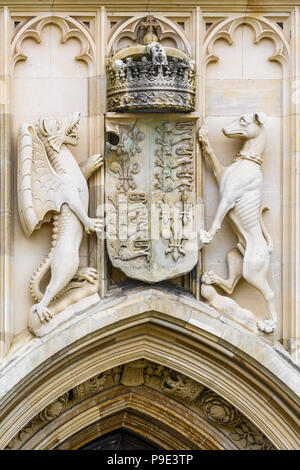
[{"x": 6, "y": 321}]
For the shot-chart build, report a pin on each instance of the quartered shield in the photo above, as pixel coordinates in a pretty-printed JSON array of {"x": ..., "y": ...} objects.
[{"x": 150, "y": 197}]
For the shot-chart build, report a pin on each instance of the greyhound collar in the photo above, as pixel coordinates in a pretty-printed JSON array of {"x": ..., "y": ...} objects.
[{"x": 253, "y": 157}]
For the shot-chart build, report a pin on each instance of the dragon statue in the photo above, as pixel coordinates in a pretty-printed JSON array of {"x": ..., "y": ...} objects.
[{"x": 53, "y": 186}]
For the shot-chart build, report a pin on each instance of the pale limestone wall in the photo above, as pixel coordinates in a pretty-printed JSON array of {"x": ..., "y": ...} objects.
[
  {"x": 52, "y": 62},
  {"x": 242, "y": 68},
  {"x": 50, "y": 82}
]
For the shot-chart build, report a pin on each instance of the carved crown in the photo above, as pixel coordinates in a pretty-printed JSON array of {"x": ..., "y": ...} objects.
[{"x": 150, "y": 77}]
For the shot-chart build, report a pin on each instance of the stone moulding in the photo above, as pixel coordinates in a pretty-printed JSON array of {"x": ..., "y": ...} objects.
[
  {"x": 69, "y": 27},
  {"x": 193, "y": 395},
  {"x": 245, "y": 370},
  {"x": 263, "y": 29}
]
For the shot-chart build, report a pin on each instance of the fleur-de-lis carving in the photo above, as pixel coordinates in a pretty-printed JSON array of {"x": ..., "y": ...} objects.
[{"x": 128, "y": 147}]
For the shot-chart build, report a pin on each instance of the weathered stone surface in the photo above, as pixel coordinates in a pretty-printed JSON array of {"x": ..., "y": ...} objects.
[
  {"x": 150, "y": 77},
  {"x": 150, "y": 197}
]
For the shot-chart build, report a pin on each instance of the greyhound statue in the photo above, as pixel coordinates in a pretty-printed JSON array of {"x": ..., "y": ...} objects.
[{"x": 240, "y": 190}]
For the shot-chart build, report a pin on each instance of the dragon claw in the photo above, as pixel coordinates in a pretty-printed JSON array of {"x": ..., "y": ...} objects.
[
  {"x": 203, "y": 134},
  {"x": 42, "y": 312},
  {"x": 88, "y": 274},
  {"x": 208, "y": 278},
  {"x": 96, "y": 161},
  {"x": 94, "y": 225},
  {"x": 205, "y": 237},
  {"x": 266, "y": 326}
]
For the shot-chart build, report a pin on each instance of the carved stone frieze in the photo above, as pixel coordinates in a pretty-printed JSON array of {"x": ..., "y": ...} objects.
[
  {"x": 219, "y": 410},
  {"x": 150, "y": 198},
  {"x": 46, "y": 415},
  {"x": 160, "y": 99},
  {"x": 169, "y": 382}
]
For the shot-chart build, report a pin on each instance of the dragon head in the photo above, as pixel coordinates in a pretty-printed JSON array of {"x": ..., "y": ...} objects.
[{"x": 60, "y": 131}]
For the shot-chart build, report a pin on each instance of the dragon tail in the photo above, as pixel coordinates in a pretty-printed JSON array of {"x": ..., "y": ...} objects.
[{"x": 44, "y": 267}]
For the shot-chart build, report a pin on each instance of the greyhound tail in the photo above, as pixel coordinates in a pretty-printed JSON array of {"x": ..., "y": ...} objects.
[{"x": 264, "y": 230}]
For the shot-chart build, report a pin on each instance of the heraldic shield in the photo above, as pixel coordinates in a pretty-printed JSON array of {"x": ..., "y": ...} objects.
[{"x": 150, "y": 196}]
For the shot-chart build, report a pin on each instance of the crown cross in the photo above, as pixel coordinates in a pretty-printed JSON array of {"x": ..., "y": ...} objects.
[{"x": 150, "y": 24}]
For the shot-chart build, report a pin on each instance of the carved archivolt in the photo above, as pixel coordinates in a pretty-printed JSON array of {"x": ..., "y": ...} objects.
[
  {"x": 195, "y": 396},
  {"x": 131, "y": 27},
  {"x": 263, "y": 28},
  {"x": 69, "y": 27}
]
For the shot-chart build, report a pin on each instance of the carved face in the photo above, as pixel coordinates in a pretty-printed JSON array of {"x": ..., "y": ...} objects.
[
  {"x": 61, "y": 131},
  {"x": 247, "y": 126}
]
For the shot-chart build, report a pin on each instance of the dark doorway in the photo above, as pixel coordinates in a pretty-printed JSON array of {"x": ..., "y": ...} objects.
[{"x": 120, "y": 440}]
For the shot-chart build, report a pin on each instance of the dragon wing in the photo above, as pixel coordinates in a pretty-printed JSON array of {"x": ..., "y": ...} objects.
[{"x": 38, "y": 183}]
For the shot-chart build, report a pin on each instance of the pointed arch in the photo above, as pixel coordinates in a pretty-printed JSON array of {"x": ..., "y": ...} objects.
[
  {"x": 70, "y": 28},
  {"x": 263, "y": 29},
  {"x": 178, "y": 333},
  {"x": 128, "y": 28}
]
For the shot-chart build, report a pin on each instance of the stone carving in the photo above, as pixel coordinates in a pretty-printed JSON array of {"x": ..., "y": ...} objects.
[
  {"x": 167, "y": 381},
  {"x": 97, "y": 384},
  {"x": 51, "y": 185},
  {"x": 150, "y": 218},
  {"x": 219, "y": 410},
  {"x": 174, "y": 156},
  {"x": 179, "y": 386},
  {"x": 70, "y": 28},
  {"x": 124, "y": 168},
  {"x": 228, "y": 305},
  {"x": 263, "y": 28},
  {"x": 133, "y": 373},
  {"x": 137, "y": 30},
  {"x": 250, "y": 438},
  {"x": 150, "y": 27},
  {"x": 150, "y": 77},
  {"x": 46, "y": 415},
  {"x": 240, "y": 189},
  {"x": 158, "y": 53}
]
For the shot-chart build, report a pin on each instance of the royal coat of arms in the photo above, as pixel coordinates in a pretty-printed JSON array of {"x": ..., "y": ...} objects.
[{"x": 150, "y": 196}]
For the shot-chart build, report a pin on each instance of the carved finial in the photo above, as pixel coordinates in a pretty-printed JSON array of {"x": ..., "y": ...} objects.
[{"x": 150, "y": 24}]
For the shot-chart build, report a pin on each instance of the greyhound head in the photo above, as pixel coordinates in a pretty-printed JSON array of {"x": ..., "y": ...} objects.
[{"x": 248, "y": 126}]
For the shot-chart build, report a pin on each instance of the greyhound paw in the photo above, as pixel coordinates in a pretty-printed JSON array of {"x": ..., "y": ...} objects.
[
  {"x": 208, "y": 278},
  {"x": 96, "y": 161},
  {"x": 43, "y": 313},
  {"x": 87, "y": 274},
  {"x": 203, "y": 134},
  {"x": 205, "y": 237},
  {"x": 266, "y": 326}
]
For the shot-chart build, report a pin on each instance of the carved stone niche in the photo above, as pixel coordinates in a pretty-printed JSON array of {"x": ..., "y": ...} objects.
[
  {"x": 149, "y": 76},
  {"x": 150, "y": 196},
  {"x": 203, "y": 405}
]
